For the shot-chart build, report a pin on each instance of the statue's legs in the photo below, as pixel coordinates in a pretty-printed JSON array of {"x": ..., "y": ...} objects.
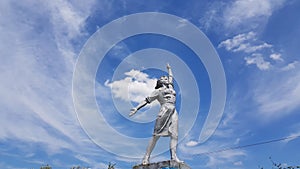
[
  {"x": 173, "y": 147},
  {"x": 150, "y": 147}
]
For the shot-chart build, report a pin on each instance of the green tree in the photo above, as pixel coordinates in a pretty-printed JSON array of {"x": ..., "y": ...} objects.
[
  {"x": 46, "y": 167},
  {"x": 280, "y": 165},
  {"x": 111, "y": 166}
]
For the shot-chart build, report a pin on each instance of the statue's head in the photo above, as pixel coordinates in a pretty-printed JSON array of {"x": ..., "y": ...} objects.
[{"x": 163, "y": 80}]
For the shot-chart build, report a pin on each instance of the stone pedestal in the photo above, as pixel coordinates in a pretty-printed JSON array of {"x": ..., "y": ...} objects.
[{"x": 163, "y": 165}]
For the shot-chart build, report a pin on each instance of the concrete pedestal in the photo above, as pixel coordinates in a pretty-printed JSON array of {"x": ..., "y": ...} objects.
[{"x": 163, "y": 165}]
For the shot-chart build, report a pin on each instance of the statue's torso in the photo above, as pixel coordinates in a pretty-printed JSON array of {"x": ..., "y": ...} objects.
[{"x": 167, "y": 95}]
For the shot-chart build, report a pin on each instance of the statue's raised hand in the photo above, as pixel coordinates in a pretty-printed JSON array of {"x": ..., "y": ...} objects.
[
  {"x": 168, "y": 66},
  {"x": 132, "y": 112}
]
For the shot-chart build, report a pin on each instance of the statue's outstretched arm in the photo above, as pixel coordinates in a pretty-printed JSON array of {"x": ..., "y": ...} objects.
[
  {"x": 170, "y": 74},
  {"x": 138, "y": 107}
]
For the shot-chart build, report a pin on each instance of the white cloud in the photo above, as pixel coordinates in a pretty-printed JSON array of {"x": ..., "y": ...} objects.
[
  {"x": 259, "y": 61},
  {"x": 240, "y": 15},
  {"x": 238, "y": 163},
  {"x": 246, "y": 42},
  {"x": 120, "y": 50},
  {"x": 237, "y": 41},
  {"x": 250, "y": 12},
  {"x": 248, "y": 48},
  {"x": 191, "y": 143},
  {"x": 134, "y": 87},
  {"x": 212, "y": 17},
  {"x": 290, "y": 66},
  {"x": 183, "y": 22},
  {"x": 292, "y": 136},
  {"x": 276, "y": 56}
]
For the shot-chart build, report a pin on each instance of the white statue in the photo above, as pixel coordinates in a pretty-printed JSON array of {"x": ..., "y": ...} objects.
[{"x": 167, "y": 118}]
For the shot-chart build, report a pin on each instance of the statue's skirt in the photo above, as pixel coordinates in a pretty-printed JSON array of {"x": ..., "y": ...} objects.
[{"x": 167, "y": 121}]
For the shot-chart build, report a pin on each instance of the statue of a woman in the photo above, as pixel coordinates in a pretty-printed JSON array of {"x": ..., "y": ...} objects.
[{"x": 167, "y": 119}]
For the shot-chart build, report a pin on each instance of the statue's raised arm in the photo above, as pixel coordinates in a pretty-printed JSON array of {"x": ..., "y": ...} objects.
[{"x": 170, "y": 74}]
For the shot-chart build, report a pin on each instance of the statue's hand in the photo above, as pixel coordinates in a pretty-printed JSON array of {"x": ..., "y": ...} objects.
[
  {"x": 168, "y": 66},
  {"x": 132, "y": 112}
]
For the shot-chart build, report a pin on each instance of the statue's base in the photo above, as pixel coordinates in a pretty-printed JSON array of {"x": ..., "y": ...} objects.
[{"x": 170, "y": 164}]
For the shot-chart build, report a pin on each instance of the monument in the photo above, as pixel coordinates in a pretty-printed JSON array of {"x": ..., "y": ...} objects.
[
  {"x": 170, "y": 164},
  {"x": 166, "y": 124}
]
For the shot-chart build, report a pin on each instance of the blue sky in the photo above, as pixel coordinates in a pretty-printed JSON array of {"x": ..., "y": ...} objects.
[{"x": 257, "y": 43}]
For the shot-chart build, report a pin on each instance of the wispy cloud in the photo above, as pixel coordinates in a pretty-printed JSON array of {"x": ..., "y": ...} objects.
[
  {"x": 281, "y": 97},
  {"x": 231, "y": 156},
  {"x": 246, "y": 42},
  {"x": 258, "y": 60},
  {"x": 239, "y": 15},
  {"x": 216, "y": 151},
  {"x": 276, "y": 56},
  {"x": 91, "y": 163},
  {"x": 36, "y": 104},
  {"x": 260, "y": 53},
  {"x": 243, "y": 12},
  {"x": 248, "y": 48},
  {"x": 290, "y": 66},
  {"x": 227, "y": 159},
  {"x": 294, "y": 133},
  {"x": 238, "y": 40},
  {"x": 3, "y": 165},
  {"x": 249, "y": 16}
]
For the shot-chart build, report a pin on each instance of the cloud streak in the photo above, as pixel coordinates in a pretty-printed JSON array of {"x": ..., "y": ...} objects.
[
  {"x": 282, "y": 95},
  {"x": 241, "y": 12},
  {"x": 36, "y": 71},
  {"x": 216, "y": 151},
  {"x": 228, "y": 158},
  {"x": 239, "y": 15}
]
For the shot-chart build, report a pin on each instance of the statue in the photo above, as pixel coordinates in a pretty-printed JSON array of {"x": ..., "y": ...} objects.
[{"x": 167, "y": 119}]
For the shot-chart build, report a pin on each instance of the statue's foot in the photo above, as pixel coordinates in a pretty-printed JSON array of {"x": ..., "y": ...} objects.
[
  {"x": 177, "y": 160},
  {"x": 145, "y": 160}
]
